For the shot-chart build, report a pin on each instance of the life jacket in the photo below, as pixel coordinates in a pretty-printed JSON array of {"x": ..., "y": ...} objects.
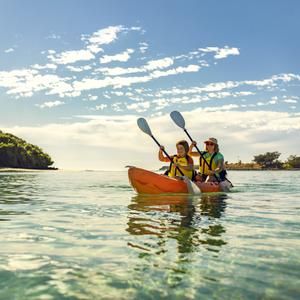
[
  {"x": 212, "y": 165},
  {"x": 182, "y": 161}
]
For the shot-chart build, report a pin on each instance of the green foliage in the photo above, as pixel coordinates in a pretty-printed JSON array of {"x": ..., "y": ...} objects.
[
  {"x": 269, "y": 160},
  {"x": 293, "y": 161},
  {"x": 17, "y": 153}
]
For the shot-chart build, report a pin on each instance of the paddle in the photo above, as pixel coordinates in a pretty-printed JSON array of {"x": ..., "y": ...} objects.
[
  {"x": 178, "y": 119},
  {"x": 143, "y": 125}
]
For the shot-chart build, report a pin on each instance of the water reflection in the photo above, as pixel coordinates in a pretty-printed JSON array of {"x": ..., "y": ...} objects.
[{"x": 193, "y": 222}]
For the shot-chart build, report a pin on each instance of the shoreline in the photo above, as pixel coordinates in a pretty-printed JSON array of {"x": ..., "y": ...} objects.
[
  {"x": 246, "y": 169},
  {"x": 296, "y": 169},
  {"x": 6, "y": 169},
  {"x": 15, "y": 170}
]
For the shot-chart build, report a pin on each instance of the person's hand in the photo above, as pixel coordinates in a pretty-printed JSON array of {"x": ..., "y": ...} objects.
[
  {"x": 162, "y": 148},
  {"x": 194, "y": 143},
  {"x": 211, "y": 173}
]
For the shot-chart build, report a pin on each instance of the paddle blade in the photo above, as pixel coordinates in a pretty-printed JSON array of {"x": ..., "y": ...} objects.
[
  {"x": 191, "y": 186},
  {"x": 178, "y": 119},
  {"x": 143, "y": 125}
]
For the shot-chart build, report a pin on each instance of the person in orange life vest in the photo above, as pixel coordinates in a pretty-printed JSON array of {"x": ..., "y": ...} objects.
[
  {"x": 182, "y": 160},
  {"x": 216, "y": 170}
]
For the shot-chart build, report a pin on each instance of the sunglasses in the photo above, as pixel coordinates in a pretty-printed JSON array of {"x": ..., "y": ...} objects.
[{"x": 210, "y": 144}]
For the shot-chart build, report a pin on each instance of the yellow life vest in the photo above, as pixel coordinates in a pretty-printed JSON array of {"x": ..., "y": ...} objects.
[
  {"x": 181, "y": 161},
  {"x": 211, "y": 161}
]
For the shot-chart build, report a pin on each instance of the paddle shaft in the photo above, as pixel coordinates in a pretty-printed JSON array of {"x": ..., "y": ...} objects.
[
  {"x": 164, "y": 151},
  {"x": 200, "y": 153}
]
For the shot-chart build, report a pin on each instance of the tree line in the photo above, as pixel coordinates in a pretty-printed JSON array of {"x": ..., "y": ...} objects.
[
  {"x": 270, "y": 160},
  {"x": 17, "y": 153}
]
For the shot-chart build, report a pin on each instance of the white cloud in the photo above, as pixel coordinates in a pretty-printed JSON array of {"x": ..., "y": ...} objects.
[
  {"x": 53, "y": 36},
  {"x": 43, "y": 67},
  {"x": 50, "y": 104},
  {"x": 265, "y": 82},
  {"x": 139, "y": 107},
  {"x": 175, "y": 71},
  {"x": 10, "y": 79},
  {"x": 224, "y": 52},
  {"x": 79, "y": 69},
  {"x": 72, "y": 56},
  {"x": 290, "y": 101},
  {"x": 92, "y": 97},
  {"x": 243, "y": 93},
  {"x": 118, "y": 93},
  {"x": 286, "y": 77},
  {"x": 94, "y": 49},
  {"x": 103, "y": 36},
  {"x": 100, "y": 107},
  {"x": 240, "y": 133},
  {"x": 117, "y": 107},
  {"x": 9, "y": 50},
  {"x": 117, "y": 71},
  {"x": 149, "y": 66},
  {"x": 211, "y": 87},
  {"x": 137, "y": 28},
  {"x": 159, "y": 64},
  {"x": 221, "y": 52},
  {"x": 26, "y": 82},
  {"x": 118, "y": 82},
  {"x": 221, "y": 108},
  {"x": 143, "y": 47},
  {"x": 73, "y": 86},
  {"x": 161, "y": 103},
  {"x": 273, "y": 81},
  {"x": 219, "y": 95},
  {"x": 124, "y": 56}
]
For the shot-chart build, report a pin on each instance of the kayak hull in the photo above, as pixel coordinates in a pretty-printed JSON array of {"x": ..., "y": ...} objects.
[{"x": 147, "y": 182}]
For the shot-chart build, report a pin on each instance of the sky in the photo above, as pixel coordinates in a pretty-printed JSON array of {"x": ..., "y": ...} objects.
[{"x": 76, "y": 75}]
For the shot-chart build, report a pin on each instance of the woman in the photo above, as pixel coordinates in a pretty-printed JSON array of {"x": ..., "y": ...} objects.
[
  {"x": 214, "y": 169},
  {"x": 181, "y": 161}
]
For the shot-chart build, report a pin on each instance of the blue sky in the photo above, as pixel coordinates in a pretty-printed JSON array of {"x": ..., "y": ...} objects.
[{"x": 75, "y": 76}]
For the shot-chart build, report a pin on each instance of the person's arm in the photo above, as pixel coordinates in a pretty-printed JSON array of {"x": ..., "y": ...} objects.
[
  {"x": 161, "y": 156},
  {"x": 191, "y": 152},
  {"x": 190, "y": 164}
]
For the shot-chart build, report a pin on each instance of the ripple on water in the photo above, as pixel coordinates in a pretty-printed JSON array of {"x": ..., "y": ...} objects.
[{"x": 78, "y": 235}]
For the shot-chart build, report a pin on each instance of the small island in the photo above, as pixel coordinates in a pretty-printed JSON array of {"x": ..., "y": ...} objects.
[{"x": 17, "y": 153}]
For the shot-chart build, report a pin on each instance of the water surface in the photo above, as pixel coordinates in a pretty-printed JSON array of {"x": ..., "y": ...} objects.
[{"x": 87, "y": 235}]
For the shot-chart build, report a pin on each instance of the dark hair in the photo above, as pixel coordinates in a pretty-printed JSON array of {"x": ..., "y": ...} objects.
[{"x": 185, "y": 145}]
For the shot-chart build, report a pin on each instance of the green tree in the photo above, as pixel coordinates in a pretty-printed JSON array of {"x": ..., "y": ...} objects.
[
  {"x": 269, "y": 160},
  {"x": 293, "y": 161},
  {"x": 17, "y": 153}
]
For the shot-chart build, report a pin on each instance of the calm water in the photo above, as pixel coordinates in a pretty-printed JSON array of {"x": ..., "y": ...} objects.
[{"x": 87, "y": 235}]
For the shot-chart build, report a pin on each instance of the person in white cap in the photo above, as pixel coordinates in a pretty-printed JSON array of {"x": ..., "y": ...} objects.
[{"x": 214, "y": 169}]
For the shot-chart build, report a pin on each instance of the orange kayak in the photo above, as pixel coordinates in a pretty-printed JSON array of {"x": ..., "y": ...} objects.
[{"x": 147, "y": 182}]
